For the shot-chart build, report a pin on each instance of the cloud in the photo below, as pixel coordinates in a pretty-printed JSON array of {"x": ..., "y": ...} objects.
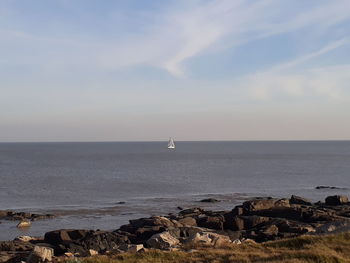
[
  {"x": 183, "y": 30},
  {"x": 192, "y": 31},
  {"x": 330, "y": 82},
  {"x": 288, "y": 79}
]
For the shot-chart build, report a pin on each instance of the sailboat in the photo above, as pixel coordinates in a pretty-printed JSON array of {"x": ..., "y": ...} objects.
[{"x": 171, "y": 144}]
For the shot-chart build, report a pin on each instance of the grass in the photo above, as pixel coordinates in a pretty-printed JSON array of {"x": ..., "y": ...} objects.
[{"x": 321, "y": 249}]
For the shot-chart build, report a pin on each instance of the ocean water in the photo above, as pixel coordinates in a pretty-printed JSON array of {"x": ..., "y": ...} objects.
[{"x": 103, "y": 185}]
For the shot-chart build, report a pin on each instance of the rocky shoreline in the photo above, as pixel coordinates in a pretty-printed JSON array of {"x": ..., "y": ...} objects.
[{"x": 256, "y": 220}]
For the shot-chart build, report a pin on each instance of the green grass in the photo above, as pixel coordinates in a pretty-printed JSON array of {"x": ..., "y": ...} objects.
[{"x": 322, "y": 249}]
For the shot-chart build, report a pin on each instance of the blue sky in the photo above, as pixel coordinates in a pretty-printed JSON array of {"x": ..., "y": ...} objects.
[{"x": 88, "y": 70}]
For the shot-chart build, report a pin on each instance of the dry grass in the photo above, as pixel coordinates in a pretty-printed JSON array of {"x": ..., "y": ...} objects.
[{"x": 322, "y": 249}]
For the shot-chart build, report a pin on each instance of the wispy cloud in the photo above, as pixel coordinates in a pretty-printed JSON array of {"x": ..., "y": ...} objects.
[
  {"x": 286, "y": 78},
  {"x": 189, "y": 29},
  {"x": 183, "y": 34}
]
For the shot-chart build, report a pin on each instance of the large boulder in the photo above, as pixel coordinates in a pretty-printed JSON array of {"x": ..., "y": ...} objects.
[
  {"x": 294, "y": 213},
  {"x": 140, "y": 230},
  {"x": 294, "y": 227},
  {"x": 211, "y": 222},
  {"x": 337, "y": 200},
  {"x": 163, "y": 241},
  {"x": 131, "y": 248},
  {"x": 259, "y": 204},
  {"x": 188, "y": 221},
  {"x": 144, "y": 233},
  {"x": 15, "y": 245},
  {"x": 297, "y": 200},
  {"x": 265, "y": 233},
  {"x": 81, "y": 241},
  {"x": 253, "y": 221},
  {"x": 208, "y": 239},
  {"x": 102, "y": 241},
  {"x": 233, "y": 222},
  {"x": 40, "y": 255},
  {"x": 192, "y": 212},
  {"x": 238, "y": 223},
  {"x": 152, "y": 221},
  {"x": 238, "y": 210},
  {"x": 64, "y": 236}
]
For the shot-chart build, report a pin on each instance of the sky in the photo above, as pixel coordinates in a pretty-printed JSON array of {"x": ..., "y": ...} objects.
[{"x": 137, "y": 70}]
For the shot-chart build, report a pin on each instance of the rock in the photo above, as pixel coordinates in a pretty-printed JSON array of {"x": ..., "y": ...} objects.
[
  {"x": 337, "y": 200},
  {"x": 248, "y": 241},
  {"x": 34, "y": 217},
  {"x": 320, "y": 187},
  {"x": 133, "y": 248},
  {"x": 81, "y": 241},
  {"x": 152, "y": 221},
  {"x": 238, "y": 210},
  {"x": 64, "y": 236},
  {"x": 212, "y": 222},
  {"x": 331, "y": 228},
  {"x": 192, "y": 212},
  {"x": 11, "y": 215},
  {"x": 294, "y": 227},
  {"x": 188, "y": 221},
  {"x": 93, "y": 252},
  {"x": 163, "y": 241},
  {"x": 40, "y": 254},
  {"x": 299, "y": 200},
  {"x": 13, "y": 257},
  {"x": 102, "y": 241},
  {"x": 208, "y": 239},
  {"x": 3, "y": 213},
  {"x": 69, "y": 254},
  {"x": 6, "y": 257},
  {"x": 264, "y": 204},
  {"x": 180, "y": 208},
  {"x": 15, "y": 246},
  {"x": 25, "y": 238},
  {"x": 236, "y": 242},
  {"x": 144, "y": 233},
  {"x": 253, "y": 221},
  {"x": 209, "y": 200},
  {"x": 24, "y": 223},
  {"x": 235, "y": 223},
  {"x": 271, "y": 230}
]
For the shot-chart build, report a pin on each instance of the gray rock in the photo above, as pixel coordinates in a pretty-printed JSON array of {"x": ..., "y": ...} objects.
[
  {"x": 40, "y": 254},
  {"x": 163, "y": 241},
  {"x": 299, "y": 200},
  {"x": 264, "y": 204},
  {"x": 212, "y": 222},
  {"x": 188, "y": 221},
  {"x": 208, "y": 239}
]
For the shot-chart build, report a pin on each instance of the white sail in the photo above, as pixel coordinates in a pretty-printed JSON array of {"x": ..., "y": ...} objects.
[{"x": 171, "y": 144}]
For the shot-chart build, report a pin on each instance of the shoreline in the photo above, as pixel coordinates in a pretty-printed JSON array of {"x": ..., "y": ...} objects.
[
  {"x": 259, "y": 219},
  {"x": 111, "y": 215}
]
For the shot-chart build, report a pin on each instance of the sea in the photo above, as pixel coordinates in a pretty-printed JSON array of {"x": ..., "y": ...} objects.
[{"x": 102, "y": 185}]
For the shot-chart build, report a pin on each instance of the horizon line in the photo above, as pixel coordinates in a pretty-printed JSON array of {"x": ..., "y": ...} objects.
[{"x": 210, "y": 140}]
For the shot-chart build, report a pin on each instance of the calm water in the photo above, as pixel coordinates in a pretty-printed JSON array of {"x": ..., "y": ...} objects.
[{"x": 84, "y": 182}]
